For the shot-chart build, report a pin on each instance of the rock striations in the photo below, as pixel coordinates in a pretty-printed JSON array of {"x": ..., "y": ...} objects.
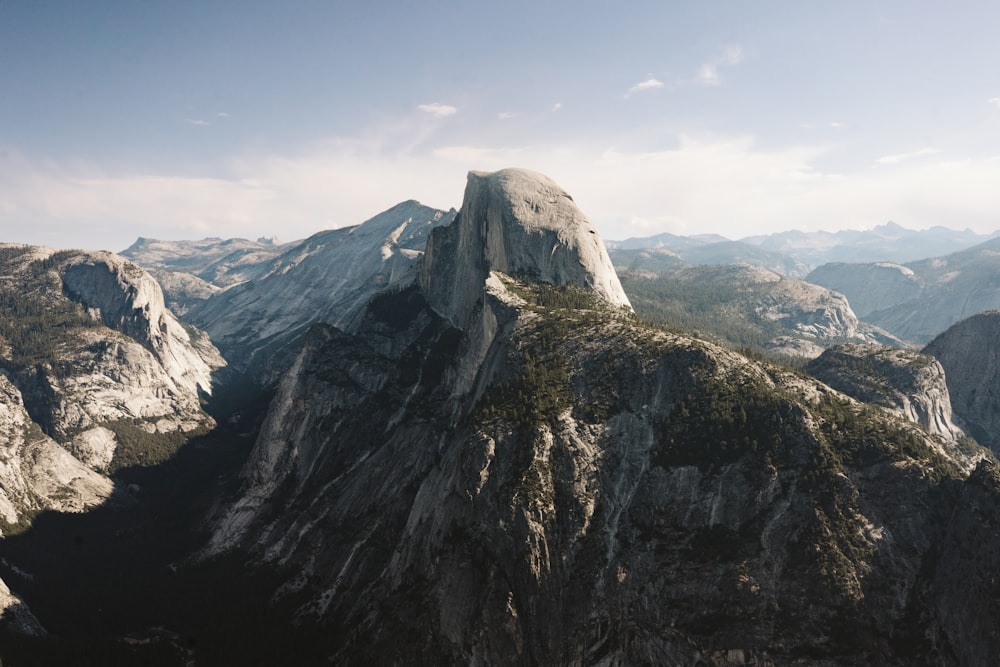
[
  {"x": 969, "y": 352},
  {"x": 328, "y": 278},
  {"x": 497, "y": 465},
  {"x": 97, "y": 374},
  {"x": 521, "y": 224},
  {"x": 903, "y": 381}
]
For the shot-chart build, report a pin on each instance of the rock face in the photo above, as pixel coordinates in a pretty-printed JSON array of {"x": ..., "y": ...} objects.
[
  {"x": 751, "y": 306},
  {"x": 517, "y": 473},
  {"x": 921, "y": 299},
  {"x": 521, "y": 224},
  {"x": 903, "y": 381},
  {"x": 870, "y": 287},
  {"x": 219, "y": 262},
  {"x": 36, "y": 473},
  {"x": 969, "y": 352},
  {"x": 97, "y": 361},
  {"x": 326, "y": 278}
]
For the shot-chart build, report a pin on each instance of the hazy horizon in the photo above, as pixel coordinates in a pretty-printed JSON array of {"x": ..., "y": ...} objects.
[{"x": 250, "y": 119}]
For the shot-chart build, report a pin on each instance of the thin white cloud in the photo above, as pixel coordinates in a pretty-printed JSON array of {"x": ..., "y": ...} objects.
[
  {"x": 994, "y": 101},
  {"x": 557, "y": 106},
  {"x": 506, "y": 115},
  {"x": 624, "y": 193},
  {"x": 643, "y": 86},
  {"x": 708, "y": 73},
  {"x": 903, "y": 157},
  {"x": 223, "y": 114},
  {"x": 197, "y": 121},
  {"x": 438, "y": 109}
]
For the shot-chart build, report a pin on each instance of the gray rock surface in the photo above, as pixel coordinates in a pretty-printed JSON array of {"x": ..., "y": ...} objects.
[
  {"x": 327, "y": 278},
  {"x": 921, "y": 299},
  {"x": 906, "y": 382},
  {"x": 97, "y": 354},
  {"x": 969, "y": 352},
  {"x": 751, "y": 306},
  {"x": 521, "y": 224},
  {"x": 498, "y": 478}
]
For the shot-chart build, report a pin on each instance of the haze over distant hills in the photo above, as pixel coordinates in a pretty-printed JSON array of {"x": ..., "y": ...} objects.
[
  {"x": 794, "y": 253},
  {"x": 454, "y": 441}
]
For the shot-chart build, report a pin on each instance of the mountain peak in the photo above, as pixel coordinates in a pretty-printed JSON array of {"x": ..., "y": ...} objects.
[{"x": 521, "y": 223}]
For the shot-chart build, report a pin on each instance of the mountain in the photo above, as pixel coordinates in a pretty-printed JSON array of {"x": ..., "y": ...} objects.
[
  {"x": 794, "y": 253},
  {"x": 220, "y": 262},
  {"x": 886, "y": 243},
  {"x": 326, "y": 278},
  {"x": 97, "y": 374},
  {"x": 968, "y": 352},
  {"x": 906, "y": 382},
  {"x": 750, "y": 307},
  {"x": 657, "y": 258},
  {"x": 919, "y": 300},
  {"x": 498, "y": 464}
]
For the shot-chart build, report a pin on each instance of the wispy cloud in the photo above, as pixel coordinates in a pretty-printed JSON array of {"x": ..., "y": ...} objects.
[
  {"x": 994, "y": 101},
  {"x": 438, "y": 109},
  {"x": 903, "y": 157},
  {"x": 223, "y": 114},
  {"x": 643, "y": 86},
  {"x": 201, "y": 122},
  {"x": 506, "y": 115},
  {"x": 708, "y": 73},
  {"x": 557, "y": 106},
  {"x": 339, "y": 183}
]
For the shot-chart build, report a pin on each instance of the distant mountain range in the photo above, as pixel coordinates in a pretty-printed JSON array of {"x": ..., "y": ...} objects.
[{"x": 795, "y": 253}]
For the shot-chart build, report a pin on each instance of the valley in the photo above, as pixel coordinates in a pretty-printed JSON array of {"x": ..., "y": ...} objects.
[{"x": 480, "y": 436}]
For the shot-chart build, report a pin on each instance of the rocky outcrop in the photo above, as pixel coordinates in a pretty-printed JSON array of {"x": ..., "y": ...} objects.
[
  {"x": 869, "y": 287},
  {"x": 918, "y": 301},
  {"x": 36, "y": 473},
  {"x": 518, "y": 473},
  {"x": 904, "y": 381},
  {"x": 751, "y": 306},
  {"x": 969, "y": 352},
  {"x": 327, "y": 278},
  {"x": 521, "y": 224},
  {"x": 103, "y": 368},
  {"x": 219, "y": 262}
]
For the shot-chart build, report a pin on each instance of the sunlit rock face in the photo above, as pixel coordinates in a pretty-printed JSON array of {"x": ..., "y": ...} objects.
[
  {"x": 328, "y": 278},
  {"x": 518, "y": 473},
  {"x": 907, "y": 382},
  {"x": 519, "y": 223},
  {"x": 90, "y": 357}
]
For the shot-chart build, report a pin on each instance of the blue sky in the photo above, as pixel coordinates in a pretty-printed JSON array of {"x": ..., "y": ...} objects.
[{"x": 223, "y": 118}]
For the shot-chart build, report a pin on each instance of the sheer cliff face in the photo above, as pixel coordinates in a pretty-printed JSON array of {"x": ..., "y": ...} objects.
[
  {"x": 520, "y": 474},
  {"x": 906, "y": 382},
  {"x": 92, "y": 361},
  {"x": 969, "y": 351},
  {"x": 521, "y": 224}
]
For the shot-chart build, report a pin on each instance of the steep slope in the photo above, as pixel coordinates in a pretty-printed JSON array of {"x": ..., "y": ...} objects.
[
  {"x": 98, "y": 361},
  {"x": 969, "y": 352},
  {"x": 903, "y": 381},
  {"x": 326, "y": 278},
  {"x": 514, "y": 472},
  {"x": 870, "y": 287},
  {"x": 918, "y": 301},
  {"x": 752, "y": 307},
  {"x": 220, "y": 262}
]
